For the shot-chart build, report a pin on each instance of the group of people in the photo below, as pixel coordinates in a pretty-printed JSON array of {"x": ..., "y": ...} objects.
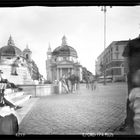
[
  {"x": 69, "y": 83},
  {"x": 91, "y": 82}
]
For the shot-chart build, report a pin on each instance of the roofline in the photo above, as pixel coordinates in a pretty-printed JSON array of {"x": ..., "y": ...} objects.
[{"x": 110, "y": 45}]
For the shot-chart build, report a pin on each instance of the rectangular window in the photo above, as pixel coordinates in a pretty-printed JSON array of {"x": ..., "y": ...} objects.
[
  {"x": 111, "y": 56},
  {"x": 116, "y": 71},
  {"x": 117, "y": 48},
  {"x": 117, "y": 55}
]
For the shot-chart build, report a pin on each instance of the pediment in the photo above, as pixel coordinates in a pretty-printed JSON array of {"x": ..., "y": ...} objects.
[{"x": 66, "y": 62}]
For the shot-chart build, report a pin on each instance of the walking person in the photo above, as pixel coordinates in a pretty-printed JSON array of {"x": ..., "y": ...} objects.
[{"x": 95, "y": 84}]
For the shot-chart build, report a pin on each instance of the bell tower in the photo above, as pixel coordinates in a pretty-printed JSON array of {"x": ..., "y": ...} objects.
[
  {"x": 49, "y": 52},
  {"x": 48, "y": 64},
  {"x": 27, "y": 53}
]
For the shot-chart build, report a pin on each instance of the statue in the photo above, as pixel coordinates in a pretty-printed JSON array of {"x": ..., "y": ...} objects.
[{"x": 14, "y": 66}]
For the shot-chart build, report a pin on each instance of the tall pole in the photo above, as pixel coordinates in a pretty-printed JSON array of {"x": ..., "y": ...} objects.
[
  {"x": 104, "y": 27},
  {"x": 104, "y": 65}
]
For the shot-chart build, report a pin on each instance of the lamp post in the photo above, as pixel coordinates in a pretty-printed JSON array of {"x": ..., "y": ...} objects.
[{"x": 104, "y": 9}]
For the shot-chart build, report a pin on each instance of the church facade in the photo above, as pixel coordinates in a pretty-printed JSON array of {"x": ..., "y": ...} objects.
[
  {"x": 61, "y": 61},
  {"x": 17, "y": 65}
]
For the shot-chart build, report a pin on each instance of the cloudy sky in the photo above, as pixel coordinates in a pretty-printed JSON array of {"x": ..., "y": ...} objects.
[{"x": 83, "y": 27}]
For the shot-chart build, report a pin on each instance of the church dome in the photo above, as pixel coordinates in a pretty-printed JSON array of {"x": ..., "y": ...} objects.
[
  {"x": 10, "y": 49},
  {"x": 65, "y": 50}
]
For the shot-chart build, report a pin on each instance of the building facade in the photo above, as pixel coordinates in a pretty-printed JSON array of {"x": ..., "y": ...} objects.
[
  {"x": 62, "y": 61},
  {"x": 17, "y": 65},
  {"x": 111, "y": 62}
]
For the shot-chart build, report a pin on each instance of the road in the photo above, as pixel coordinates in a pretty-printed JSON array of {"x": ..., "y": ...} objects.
[{"x": 85, "y": 111}]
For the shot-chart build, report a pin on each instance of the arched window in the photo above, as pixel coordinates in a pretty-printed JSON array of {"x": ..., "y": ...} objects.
[
  {"x": 117, "y": 48},
  {"x": 27, "y": 56}
]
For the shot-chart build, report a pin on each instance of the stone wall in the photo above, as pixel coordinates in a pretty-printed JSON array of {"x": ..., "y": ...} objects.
[{"x": 40, "y": 90}]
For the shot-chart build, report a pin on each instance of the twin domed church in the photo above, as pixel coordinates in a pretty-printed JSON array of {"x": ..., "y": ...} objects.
[
  {"x": 18, "y": 65},
  {"x": 20, "y": 68},
  {"x": 62, "y": 61}
]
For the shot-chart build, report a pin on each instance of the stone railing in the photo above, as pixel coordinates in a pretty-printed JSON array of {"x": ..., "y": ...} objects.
[{"x": 40, "y": 90}]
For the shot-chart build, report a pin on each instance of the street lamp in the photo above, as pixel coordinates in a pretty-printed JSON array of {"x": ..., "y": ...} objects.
[{"x": 104, "y": 9}]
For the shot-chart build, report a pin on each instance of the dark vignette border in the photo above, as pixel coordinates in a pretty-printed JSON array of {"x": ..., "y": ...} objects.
[
  {"x": 54, "y": 3},
  {"x": 64, "y": 3}
]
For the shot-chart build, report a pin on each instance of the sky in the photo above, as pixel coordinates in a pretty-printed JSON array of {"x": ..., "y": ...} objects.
[{"x": 83, "y": 27}]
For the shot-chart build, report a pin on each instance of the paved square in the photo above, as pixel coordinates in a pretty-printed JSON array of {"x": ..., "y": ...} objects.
[{"x": 85, "y": 111}]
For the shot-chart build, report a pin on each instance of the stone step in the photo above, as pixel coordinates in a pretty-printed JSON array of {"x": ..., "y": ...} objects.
[
  {"x": 14, "y": 94},
  {"x": 21, "y": 99}
]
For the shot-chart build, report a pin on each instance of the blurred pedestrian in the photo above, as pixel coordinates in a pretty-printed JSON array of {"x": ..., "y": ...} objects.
[
  {"x": 64, "y": 84},
  {"x": 95, "y": 84},
  {"x": 134, "y": 98}
]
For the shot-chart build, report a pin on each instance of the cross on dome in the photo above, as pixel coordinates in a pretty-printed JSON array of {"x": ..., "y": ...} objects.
[
  {"x": 64, "y": 41},
  {"x": 10, "y": 41}
]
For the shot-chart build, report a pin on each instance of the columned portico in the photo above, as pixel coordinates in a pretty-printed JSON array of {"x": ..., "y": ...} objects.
[
  {"x": 64, "y": 70},
  {"x": 61, "y": 60}
]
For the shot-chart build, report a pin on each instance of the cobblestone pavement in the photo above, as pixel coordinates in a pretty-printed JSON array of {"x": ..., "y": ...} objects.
[{"x": 85, "y": 111}]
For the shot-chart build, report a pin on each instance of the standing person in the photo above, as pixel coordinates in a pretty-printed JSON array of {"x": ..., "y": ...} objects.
[
  {"x": 64, "y": 84},
  {"x": 95, "y": 84},
  {"x": 72, "y": 79},
  {"x": 91, "y": 78},
  {"x": 87, "y": 82},
  {"x": 77, "y": 82},
  {"x": 67, "y": 82}
]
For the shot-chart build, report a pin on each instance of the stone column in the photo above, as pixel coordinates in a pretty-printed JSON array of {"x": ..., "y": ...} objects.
[
  {"x": 60, "y": 72},
  {"x": 68, "y": 70},
  {"x": 72, "y": 71},
  {"x": 57, "y": 73}
]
